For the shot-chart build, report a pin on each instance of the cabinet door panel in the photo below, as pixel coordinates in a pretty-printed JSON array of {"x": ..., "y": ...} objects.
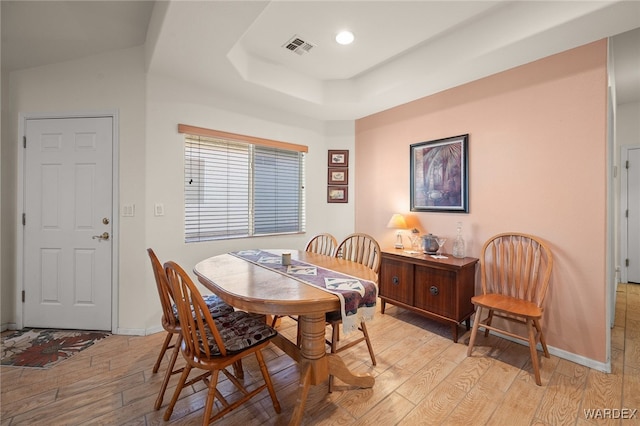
[
  {"x": 435, "y": 291},
  {"x": 396, "y": 280}
]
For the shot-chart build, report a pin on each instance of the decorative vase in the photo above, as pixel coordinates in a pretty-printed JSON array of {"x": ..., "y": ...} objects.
[{"x": 458, "y": 243}]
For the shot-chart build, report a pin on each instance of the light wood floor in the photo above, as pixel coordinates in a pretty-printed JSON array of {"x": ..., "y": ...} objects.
[{"x": 422, "y": 377}]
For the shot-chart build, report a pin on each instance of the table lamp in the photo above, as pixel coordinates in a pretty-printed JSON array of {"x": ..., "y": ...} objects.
[{"x": 397, "y": 222}]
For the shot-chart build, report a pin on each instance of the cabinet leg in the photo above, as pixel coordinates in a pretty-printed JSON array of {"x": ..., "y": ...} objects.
[
  {"x": 467, "y": 322},
  {"x": 382, "y": 305},
  {"x": 454, "y": 330}
]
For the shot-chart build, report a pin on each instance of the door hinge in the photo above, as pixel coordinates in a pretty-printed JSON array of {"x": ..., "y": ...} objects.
[
  {"x": 24, "y": 219},
  {"x": 627, "y": 164},
  {"x": 22, "y": 296},
  {"x": 626, "y": 263},
  {"x": 24, "y": 141},
  {"x": 626, "y": 213}
]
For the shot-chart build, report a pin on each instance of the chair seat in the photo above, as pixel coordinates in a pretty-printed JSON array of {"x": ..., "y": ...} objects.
[
  {"x": 239, "y": 330},
  {"x": 334, "y": 316},
  {"x": 216, "y": 306},
  {"x": 508, "y": 304}
]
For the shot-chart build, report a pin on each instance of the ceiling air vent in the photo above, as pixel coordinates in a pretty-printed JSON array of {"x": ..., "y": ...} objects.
[{"x": 298, "y": 45}]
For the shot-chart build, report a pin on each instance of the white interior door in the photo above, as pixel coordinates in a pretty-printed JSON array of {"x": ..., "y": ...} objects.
[
  {"x": 67, "y": 225},
  {"x": 633, "y": 215}
]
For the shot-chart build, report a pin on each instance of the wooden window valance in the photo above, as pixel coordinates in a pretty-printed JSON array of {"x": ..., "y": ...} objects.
[{"x": 201, "y": 131}]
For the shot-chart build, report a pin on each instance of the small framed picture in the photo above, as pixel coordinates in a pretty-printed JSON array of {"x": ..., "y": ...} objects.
[
  {"x": 337, "y": 194},
  {"x": 338, "y": 176},
  {"x": 338, "y": 158}
]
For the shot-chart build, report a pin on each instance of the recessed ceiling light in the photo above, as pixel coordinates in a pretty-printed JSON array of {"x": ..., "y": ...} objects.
[{"x": 345, "y": 37}]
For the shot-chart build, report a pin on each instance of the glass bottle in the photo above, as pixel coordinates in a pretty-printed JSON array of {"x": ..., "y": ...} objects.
[
  {"x": 458, "y": 243},
  {"x": 415, "y": 239}
]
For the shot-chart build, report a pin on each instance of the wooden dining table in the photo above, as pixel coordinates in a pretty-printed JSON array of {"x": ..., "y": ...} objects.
[{"x": 254, "y": 288}]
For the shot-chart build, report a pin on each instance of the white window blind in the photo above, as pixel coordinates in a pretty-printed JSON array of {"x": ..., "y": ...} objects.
[{"x": 237, "y": 189}]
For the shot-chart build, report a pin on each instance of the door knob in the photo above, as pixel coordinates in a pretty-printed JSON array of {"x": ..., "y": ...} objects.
[{"x": 104, "y": 236}]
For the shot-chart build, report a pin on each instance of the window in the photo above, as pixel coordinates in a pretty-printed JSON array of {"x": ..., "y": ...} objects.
[{"x": 235, "y": 189}]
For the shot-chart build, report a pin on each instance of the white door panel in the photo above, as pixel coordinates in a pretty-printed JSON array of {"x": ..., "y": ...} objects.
[{"x": 68, "y": 202}]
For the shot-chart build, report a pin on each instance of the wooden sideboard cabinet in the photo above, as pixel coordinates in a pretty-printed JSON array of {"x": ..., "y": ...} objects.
[{"x": 440, "y": 289}]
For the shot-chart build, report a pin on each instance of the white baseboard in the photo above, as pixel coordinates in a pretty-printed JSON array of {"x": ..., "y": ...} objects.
[
  {"x": 155, "y": 329},
  {"x": 131, "y": 331},
  {"x": 139, "y": 331},
  {"x": 8, "y": 326},
  {"x": 123, "y": 331},
  {"x": 605, "y": 367}
]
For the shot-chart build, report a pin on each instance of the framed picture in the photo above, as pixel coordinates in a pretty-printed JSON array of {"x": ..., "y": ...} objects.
[
  {"x": 337, "y": 194},
  {"x": 440, "y": 175},
  {"x": 338, "y": 176},
  {"x": 338, "y": 158}
]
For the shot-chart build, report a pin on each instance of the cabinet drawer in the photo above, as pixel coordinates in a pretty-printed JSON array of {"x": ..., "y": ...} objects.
[
  {"x": 396, "y": 280},
  {"x": 435, "y": 291}
]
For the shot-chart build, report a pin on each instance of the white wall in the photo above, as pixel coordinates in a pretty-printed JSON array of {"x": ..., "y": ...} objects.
[
  {"x": 4, "y": 317},
  {"x": 113, "y": 81},
  {"x": 170, "y": 102},
  {"x": 628, "y": 124},
  {"x": 627, "y": 135},
  {"x": 151, "y": 166}
]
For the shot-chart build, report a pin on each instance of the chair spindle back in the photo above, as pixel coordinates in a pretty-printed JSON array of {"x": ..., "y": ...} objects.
[
  {"x": 360, "y": 248},
  {"x": 195, "y": 319},
  {"x": 164, "y": 291},
  {"x": 322, "y": 244},
  {"x": 516, "y": 265}
]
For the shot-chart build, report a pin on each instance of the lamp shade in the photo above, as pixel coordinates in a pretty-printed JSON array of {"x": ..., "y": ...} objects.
[{"x": 397, "y": 222}]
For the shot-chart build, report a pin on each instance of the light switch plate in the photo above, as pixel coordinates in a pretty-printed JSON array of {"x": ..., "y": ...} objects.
[
  {"x": 128, "y": 210},
  {"x": 158, "y": 209}
]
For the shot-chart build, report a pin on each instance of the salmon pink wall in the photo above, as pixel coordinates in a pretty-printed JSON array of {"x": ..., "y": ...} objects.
[{"x": 537, "y": 162}]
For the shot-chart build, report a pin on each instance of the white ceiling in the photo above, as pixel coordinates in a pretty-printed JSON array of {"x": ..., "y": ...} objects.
[{"x": 404, "y": 50}]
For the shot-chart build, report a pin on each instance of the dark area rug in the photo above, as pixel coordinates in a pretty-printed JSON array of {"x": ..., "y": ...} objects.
[{"x": 44, "y": 348}]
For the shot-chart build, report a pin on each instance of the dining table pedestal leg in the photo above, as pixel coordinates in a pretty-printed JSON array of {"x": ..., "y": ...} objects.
[
  {"x": 312, "y": 346},
  {"x": 338, "y": 368},
  {"x": 316, "y": 364},
  {"x": 314, "y": 368}
]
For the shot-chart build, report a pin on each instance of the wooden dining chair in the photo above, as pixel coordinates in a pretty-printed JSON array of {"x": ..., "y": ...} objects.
[
  {"x": 360, "y": 248},
  {"x": 322, "y": 244},
  {"x": 171, "y": 324},
  {"x": 214, "y": 344},
  {"x": 364, "y": 249},
  {"x": 515, "y": 271}
]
